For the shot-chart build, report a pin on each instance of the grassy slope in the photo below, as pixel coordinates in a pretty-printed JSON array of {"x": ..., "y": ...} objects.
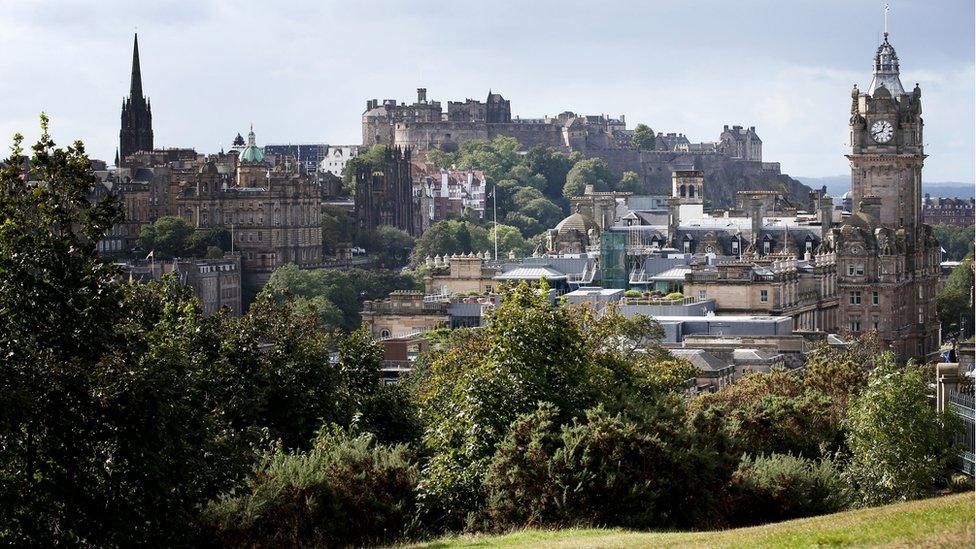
[{"x": 937, "y": 522}]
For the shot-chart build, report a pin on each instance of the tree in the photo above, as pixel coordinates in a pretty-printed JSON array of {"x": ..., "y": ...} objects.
[
  {"x": 373, "y": 159},
  {"x": 525, "y": 195},
  {"x": 167, "y": 236},
  {"x": 643, "y": 138},
  {"x": 900, "y": 446},
  {"x": 631, "y": 182},
  {"x": 106, "y": 416},
  {"x": 450, "y": 237},
  {"x": 390, "y": 245},
  {"x": 552, "y": 165},
  {"x": 200, "y": 241},
  {"x": 509, "y": 241},
  {"x": 591, "y": 171},
  {"x": 440, "y": 159},
  {"x": 337, "y": 228},
  {"x": 543, "y": 211},
  {"x": 953, "y": 301},
  {"x": 957, "y": 241}
]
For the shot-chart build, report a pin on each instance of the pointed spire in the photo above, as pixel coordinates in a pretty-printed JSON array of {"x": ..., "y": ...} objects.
[{"x": 135, "y": 87}]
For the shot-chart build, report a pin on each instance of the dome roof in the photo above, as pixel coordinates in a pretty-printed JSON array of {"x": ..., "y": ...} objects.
[
  {"x": 252, "y": 154},
  {"x": 575, "y": 222},
  {"x": 886, "y": 70}
]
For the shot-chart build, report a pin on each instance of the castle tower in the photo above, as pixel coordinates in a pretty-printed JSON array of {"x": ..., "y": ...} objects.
[
  {"x": 136, "y": 133},
  {"x": 688, "y": 186}
]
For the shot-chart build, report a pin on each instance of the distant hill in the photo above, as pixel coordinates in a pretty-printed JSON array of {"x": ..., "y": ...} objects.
[{"x": 840, "y": 184}]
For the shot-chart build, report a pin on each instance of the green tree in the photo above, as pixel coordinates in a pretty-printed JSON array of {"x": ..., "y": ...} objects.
[
  {"x": 900, "y": 446},
  {"x": 552, "y": 165},
  {"x": 953, "y": 301},
  {"x": 450, "y": 237},
  {"x": 440, "y": 159},
  {"x": 957, "y": 241},
  {"x": 509, "y": 241},
  {"x": 200, "y": 241},
  {"x": 543, "y": 211},
  {"x": 631, "y": 182},
  {"x": 525, "y": 195},
  {"x": 373, "y": 159},
  {"x": 167, "y": 236},
  {"x": 390, "y": 245},
  {"x": 337, "y": 228},
  {"x": 643, "y": 138},
  {"x": 591, "y": 171}
]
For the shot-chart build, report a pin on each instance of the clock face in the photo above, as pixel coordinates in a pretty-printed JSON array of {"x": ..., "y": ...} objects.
[{"x": 881, "y": 131}]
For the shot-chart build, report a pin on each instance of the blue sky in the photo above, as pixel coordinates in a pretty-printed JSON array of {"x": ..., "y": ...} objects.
[{"x": 302, "y": 71}]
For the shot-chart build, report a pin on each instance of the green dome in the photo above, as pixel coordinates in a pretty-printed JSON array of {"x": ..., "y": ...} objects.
[{"x": 252, "y": 154}]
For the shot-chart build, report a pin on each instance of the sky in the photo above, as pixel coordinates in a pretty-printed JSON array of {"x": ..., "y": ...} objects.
[{"x": 301, "y": 71}]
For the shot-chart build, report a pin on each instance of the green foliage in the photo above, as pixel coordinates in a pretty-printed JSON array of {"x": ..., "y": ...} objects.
[
  {"x": 167, "y": 236},
  {"x": 532, "y": 351},
  {"x": 332, "y": 290},
  {"x": 440, "y": 159},
  {"x": 543, "y": 211},
  {"x": 496, "y": 157},
  {"x": 373, "y": 160},
  {"x": 632, "y": 293},
  {"x": 765, "y": 413},
  {"x": 591, "y": 171},
  {"x": 509, "y": 240},
  {"x": 390, "y": 245},
  {"x": 631, "y": 182},
  {"x": 344, "y": 491},
  {"x": 632, "y": 470},
  {"x": 957, "y": 241},
  {"x": 781, "y": 487},
  {"x": 953, "y": 301},
  {"x": 643, "y": 137},
  {"x": 525, "y": 195},
  {"x": 900, "y": 446},
  {"x": 337, "y": 228},
  {"x": 841, "y": 375},
  {"x": 450, "y": 237},
  {"x": 674, "y": 296}
]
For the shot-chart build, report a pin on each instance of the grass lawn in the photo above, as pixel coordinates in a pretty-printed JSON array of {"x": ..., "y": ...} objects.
[{"x": 937, "y": 522}]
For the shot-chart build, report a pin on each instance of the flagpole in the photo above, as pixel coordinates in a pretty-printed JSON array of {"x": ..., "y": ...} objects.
[{"x": 494, "y": 208}]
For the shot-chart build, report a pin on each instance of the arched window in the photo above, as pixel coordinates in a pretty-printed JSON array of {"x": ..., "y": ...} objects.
[
  {"x": 691, "y": 191},
  {"x": 385, "y": 333},
  {"x": 682, "y": 191}
]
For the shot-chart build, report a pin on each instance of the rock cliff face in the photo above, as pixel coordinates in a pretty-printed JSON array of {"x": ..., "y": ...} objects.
[{"x": 724, "y": 176}]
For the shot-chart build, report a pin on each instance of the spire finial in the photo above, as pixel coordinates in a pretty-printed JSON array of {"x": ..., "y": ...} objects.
[
  {"x": 886, "y": 10},
  {"x": 135, "y": 85}
]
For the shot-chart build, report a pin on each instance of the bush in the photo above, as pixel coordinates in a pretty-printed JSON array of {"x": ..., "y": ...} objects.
[
  {"x": 901, "y": 448},
  {"x": 632, "y": 293},
  {"x": 675, "y": 296},
  {"x": 345, "y": 490},
  {"x": 634, "y": 470},
  {"x": 781, "y": 486}
]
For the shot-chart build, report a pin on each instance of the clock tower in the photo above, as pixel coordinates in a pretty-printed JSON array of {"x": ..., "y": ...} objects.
[
  {"x": 886, "y": 144},
  {"x": 887, "y": 259}
]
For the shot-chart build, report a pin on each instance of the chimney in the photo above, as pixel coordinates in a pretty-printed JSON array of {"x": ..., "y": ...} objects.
[
  {"x": 871, "y": 206},
  {"x": 756, "y": 216},
  {"x": 421, "y": 95},
  {"x": 673, "y": 221},
  {"x": 826, "y": 216}
]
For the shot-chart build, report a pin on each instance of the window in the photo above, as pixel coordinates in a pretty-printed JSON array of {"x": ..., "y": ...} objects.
[
  {"x": 687, "y": 246},
  {"x": 855, "y": 269},
  {"x": 767, "y": 245},
  {"x": 855, "y": 298},
  {"x": 701, "y": 294},
  {"x": 875, "y": 323},
  {"x": 875, "y": 298},
  {"x": 385, "y": 333},
  {"x": 855, "y": 323},
  {"x": 763, "y": 296},
  {"x": 735, "y": 247},
  {"x": 488, "y": 288}
]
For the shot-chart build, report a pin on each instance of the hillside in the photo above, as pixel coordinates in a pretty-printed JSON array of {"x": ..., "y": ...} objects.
[
  {"x": 937, "y": 522},
  {"x": 837, "y": 185}
]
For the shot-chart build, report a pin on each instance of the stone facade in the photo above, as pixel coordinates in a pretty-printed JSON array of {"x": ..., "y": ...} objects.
[
  {"x": 386, "y": 197},
  {"x": 887, "y": 259},
  {"x": 404, "y": 313},
  {"x": 460, "y": 274},
  {"x": 957, "y": 212}
]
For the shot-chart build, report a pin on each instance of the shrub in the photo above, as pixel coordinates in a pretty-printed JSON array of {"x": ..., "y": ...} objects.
[
  {"x": 781, "y": 486},
  {"x": 900, "y": 446},
  {"x": 345, "y": 490},
  {"x": 632, "y": 293},
  {"x": 674, "y": 296},
  {"x": 630, "y": 469}
]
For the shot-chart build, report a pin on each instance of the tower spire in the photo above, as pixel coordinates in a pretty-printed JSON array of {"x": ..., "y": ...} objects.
[
  {"x": 886, "y": 10},
  {"x": 135, "y": 87}
]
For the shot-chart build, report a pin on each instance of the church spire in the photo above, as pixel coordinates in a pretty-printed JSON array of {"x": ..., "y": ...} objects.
[{"x": 135, "y": 87}]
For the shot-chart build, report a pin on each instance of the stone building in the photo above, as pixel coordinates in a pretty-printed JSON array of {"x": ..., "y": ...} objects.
[
  {"x": 957, "y": 212},
  {"x": 386, "y": 197},
  {"x": 742, "y": 143},
  {"x": 460, "y": 274},
  {"x": 404, "y": 313},
  {"x": 273, "y": 213},
  {"x": 216, "y": 282},
  {"x": 136, "y": 133},
  {"x": 887, "y": 258},
  {"x": 448, "y": 194}
]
